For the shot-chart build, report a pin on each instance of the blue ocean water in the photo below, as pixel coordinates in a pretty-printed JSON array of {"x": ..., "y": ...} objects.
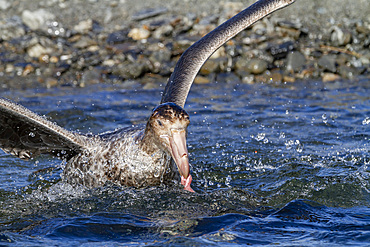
[{"x": 284, "y": 165}]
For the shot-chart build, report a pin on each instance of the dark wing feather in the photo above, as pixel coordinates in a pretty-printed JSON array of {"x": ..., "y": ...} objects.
[
  {"x": 195, "y": 56},
  {"x": 26, "y": 134}
]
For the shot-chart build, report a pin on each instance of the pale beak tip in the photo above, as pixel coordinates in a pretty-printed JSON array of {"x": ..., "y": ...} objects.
[
  {"x": 189, "y": 189},
  {"x": 186, "y": 182}
]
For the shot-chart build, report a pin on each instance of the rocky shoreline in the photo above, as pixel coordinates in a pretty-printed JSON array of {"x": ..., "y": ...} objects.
[{"x": 82, "y": 42}]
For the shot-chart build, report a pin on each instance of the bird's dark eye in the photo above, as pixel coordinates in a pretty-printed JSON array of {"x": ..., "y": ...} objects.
[{"x": 159, "y": 122}]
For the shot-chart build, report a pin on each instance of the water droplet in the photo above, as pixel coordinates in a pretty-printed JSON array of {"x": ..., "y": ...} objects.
[
  {"x": 228, "y": 180},
  {"x": 324, "y": 118},
  {"x": 260, "y": 136},
  {"x": 157, "y": 172},
  {"x": 289, "y": 144},
  {"x": 282, "y": 135},
  {"x": 366, "y": 121}
]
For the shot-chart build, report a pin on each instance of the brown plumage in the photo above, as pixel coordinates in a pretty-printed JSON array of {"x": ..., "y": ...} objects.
[{"x": 137, "y": 157}]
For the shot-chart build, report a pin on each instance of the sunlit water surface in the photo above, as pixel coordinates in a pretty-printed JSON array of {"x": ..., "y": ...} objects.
[{"x": 272, "y": 165}]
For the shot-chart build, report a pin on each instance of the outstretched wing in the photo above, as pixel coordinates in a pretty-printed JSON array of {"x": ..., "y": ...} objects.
[
  {"x": 26, "y": 134},
  {"x": 195, "y": 56}
]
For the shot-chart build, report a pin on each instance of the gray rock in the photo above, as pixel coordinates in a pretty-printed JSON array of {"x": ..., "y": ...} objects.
[
  {"x": 139, "y": 33},
  {"x": 254, "y": 39},
  {"x": 276, "y": 76},
  {"x": 148, "y": 13},
  {"x": 259, "y": 28},
  {"x": 228, "y": 78},
  {"x": 365, "y": 61},
  {"x": 163, "y": 31},
  {"x": 50, "y": 82},
  {"x": 9, "y": 68},
  {"x": 203, "y": 29},
  {"x": 256, "y": 66},
  {"x": 55, "y": 29},
  {"x": 347, "y": 72},
  {"x": 83, "y": 26},
  {"x": 282, "y": 50},
  {"x": 295, "y": 61},
  {"x": 129, "y": 70},
  {"x": 248, "y": 79},
  {"x": 326, "y": 77},
  {"x": 229, "y": 9},
  {"x": 342, "y": 58},
  {"x": 327, "y": 62},
  {"x": 11, "y": 29},
  {"x": 158, "y": 58},
  {"x": 181, "y": 45},
  {"x": 84, "y": 42},
  {"x": 363, "y": 28},
  {"x": 184, "y": 24},
  {"x": 38, "y": 50},
  {"x": 210, "y": 66},
  {"x": 290, "y": 24},
  {"x": 4, "y": 5},
  {"x": 241, "y": 64},
  {"x": 90, "y": 77},
  {"x": 340, "y": 37},
  {"x": 117, "y": 37},
  {"x": 37, "y": 20}
]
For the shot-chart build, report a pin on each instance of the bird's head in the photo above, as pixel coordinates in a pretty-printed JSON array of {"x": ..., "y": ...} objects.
[{"x": 168, "y": 123}]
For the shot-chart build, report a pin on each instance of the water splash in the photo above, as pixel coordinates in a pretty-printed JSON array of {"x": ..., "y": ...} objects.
[{"x": 249, "y": 166}]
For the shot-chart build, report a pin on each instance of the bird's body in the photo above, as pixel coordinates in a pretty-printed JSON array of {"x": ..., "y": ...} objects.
[
  {"x": 137, "y": 157},
  {"x": 120, "y": 157},
  {"x": 141, "y": 156}
]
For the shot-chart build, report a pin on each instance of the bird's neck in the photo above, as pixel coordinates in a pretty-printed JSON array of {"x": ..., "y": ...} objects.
[{"x": 149, "y": 143}]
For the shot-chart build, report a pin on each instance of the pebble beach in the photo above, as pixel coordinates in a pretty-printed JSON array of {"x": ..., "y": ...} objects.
[{"x": 137, "y": 43}]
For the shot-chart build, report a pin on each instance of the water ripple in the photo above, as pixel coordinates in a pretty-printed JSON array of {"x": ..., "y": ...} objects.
[{"x": 285, "y": 165}]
